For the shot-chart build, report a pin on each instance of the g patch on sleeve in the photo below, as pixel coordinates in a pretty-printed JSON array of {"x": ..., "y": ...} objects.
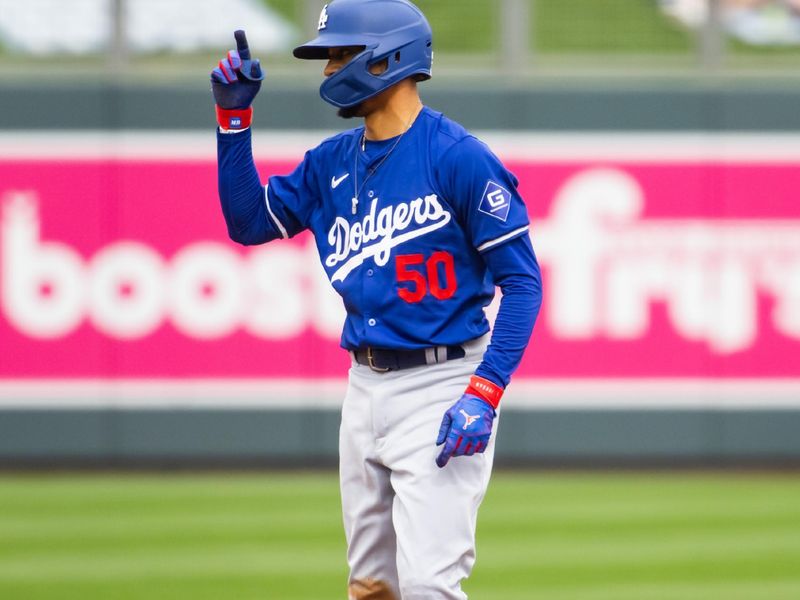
[{"x": 496, "y": 201}]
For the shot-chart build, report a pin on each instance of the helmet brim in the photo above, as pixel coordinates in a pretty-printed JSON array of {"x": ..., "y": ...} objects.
[{"x": 317, "y": 49}]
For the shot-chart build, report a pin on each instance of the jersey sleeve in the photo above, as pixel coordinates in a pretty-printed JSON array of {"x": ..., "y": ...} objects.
[
  {"x": 482, "y": 192},
  {"x": 515, "y": 270},
  {"x": 241, "y": 194},
  {"x": 291, "y": 199}
]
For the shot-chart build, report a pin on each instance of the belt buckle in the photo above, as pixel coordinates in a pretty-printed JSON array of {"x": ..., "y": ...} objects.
[{"x": 371, "y": 362}]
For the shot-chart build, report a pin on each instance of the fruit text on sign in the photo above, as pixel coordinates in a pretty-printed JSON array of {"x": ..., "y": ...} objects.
[{"x": 608, "y": 266}]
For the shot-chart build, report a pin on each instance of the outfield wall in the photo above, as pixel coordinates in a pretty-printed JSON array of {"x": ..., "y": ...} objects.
[
  {"x": 551, "y": 104},
  {"x": 132, "y": 331}
]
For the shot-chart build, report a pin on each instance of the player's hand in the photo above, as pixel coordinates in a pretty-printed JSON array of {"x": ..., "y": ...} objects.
[
  {"x": 466, "y": 428},
  {"x": 237, "y": 79}
]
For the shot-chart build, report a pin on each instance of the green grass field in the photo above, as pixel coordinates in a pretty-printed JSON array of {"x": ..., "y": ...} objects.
[
  {"x": 556, "y": 25},
  {"x": 278, "y": 536}
]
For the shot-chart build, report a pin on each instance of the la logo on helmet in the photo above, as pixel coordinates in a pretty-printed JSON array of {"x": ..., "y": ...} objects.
[{"x": 323, "y": 18}]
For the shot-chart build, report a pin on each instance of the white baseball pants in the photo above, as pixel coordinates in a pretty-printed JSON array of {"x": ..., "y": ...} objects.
[{"x": 410, "y": 526}]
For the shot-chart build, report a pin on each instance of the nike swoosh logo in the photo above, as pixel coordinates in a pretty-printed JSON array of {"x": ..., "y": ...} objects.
[{"x": 335, "y": 182}]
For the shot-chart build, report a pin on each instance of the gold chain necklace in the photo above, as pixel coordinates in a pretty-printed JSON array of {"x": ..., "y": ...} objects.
[{"x": 371, "y": 172}]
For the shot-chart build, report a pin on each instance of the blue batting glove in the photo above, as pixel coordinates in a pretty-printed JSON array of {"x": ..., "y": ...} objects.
[
  {"x": 466, "y": 428},
  {"x": 237, "y": 79}
]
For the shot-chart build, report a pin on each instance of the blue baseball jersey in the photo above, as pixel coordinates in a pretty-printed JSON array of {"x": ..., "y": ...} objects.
[{"x": 400, "y": 226}]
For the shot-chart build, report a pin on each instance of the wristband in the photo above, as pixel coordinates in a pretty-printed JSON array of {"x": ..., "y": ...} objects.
[
  {"x": 485, "y": 390},
  {"x": 237, "y": 118}
]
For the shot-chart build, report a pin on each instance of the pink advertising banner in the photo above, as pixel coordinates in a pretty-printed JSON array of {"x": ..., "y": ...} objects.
[{"x": 120, "y": 267}]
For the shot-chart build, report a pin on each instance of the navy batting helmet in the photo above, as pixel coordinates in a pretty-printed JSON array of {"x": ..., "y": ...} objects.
[{"x": 394, "y": 30}]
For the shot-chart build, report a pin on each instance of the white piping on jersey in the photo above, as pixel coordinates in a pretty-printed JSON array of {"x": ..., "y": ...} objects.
[
  {"x": 501, "y": 239},
  {"x": 272, "y": 214},
  {"x": 347, "y": 238}
]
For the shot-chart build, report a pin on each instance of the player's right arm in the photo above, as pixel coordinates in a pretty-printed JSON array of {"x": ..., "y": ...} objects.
[{"x": 253, "y": 213}]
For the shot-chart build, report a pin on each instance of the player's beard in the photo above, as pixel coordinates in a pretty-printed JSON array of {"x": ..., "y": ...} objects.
[{"x": 350, "y": 112}]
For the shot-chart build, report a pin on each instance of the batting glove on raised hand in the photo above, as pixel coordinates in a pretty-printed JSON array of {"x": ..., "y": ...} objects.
[
  {"x": 235, "y": 83},
  {"x": 467, "y": 425}
]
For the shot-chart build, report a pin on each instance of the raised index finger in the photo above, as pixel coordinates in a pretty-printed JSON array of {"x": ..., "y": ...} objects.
[{"x": 241, "y": 44}]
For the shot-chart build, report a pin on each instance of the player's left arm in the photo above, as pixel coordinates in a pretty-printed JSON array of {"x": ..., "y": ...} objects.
[
  {"x": 495, "y": 219},
  {"x": 467, "y": 426},
  {"x": 516, "y": 272}
]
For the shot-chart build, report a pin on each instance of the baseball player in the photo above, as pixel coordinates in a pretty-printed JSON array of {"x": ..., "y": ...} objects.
[{"x": 416, "y": 222}]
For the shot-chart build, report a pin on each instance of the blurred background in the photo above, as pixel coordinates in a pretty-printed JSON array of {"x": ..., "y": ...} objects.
[{"x": 169, "y": 401}]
